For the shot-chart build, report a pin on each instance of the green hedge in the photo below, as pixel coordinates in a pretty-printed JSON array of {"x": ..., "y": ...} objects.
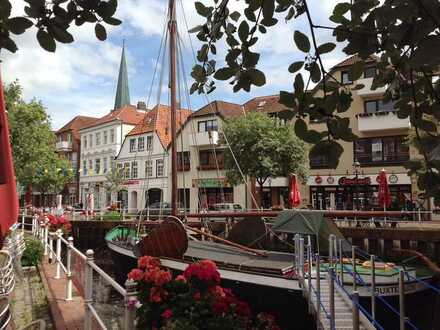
[{"x": 33, "y": 253}]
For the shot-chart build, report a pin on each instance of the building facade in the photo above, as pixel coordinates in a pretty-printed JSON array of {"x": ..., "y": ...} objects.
[
  {"x": 201, "y": 174},
  {"x": 68, "y": 146},
  {"x": 382, "y": 144},
  {"x": 143, "y": 159}
]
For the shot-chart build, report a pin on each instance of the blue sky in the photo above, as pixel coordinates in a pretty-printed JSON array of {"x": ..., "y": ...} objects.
[{"x": 80, "y": 78}]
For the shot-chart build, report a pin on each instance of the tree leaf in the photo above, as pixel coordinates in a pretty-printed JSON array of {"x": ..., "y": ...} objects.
[
  {"x": 356, "y": 71},
  {"x": 257, "y": 77},
  {"x": 202, "y": 10},
  {"x": 298, "y": 85},
  {"x": 112, "y": 21},
  {"x": 60, "y": 34},
  {"x": 301, "y": 41},
  {"x": 315, "y": 72},
  {"x": 100, "y": 32},
  {"x": 295, "y": 66},
  {"x": 300, "y": 128},
  {"x": 17, "y": 25},
  {"x": 8, "y": 44},
  {"x": 243, "y": 31},
  {"x": 235, "y": 16},
  {"x": 224, "y": 73},
  {"x": 326, "y": 48},
  {"x": 341, "y": 8},
  {"x": 46, "y": 41}
]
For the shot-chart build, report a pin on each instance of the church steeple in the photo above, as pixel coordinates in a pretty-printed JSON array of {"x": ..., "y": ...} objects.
[{"x": 122, "y": 91}]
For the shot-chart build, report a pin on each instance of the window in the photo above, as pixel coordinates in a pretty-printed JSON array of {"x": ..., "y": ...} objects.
[
  {"x": 85, "y": 141},
  {"x": 207, "y": 125},
  {"x": 345, "y": 78},
  {"x": 120, "y": 169},
  {"x": 369, "y": 72},
  {"x": 105, "y": 137},
  {"x": 381, "y": 150},
  {"x": 210, "y": 158},
  {"x": 134, "y": 170},
  {"x": 127, "y": 170},
  {"x": 91, "y": 165},
  {"x": 148, "y": 168},
  {"x": 91, "y": 140},
  {"x": 132, "y": 145},
  {"x": 183, "y": 161},
  {"x": 374, "y": 106},
  {"x": 104, "y": 164},
  {"x": 141, "y": 143},
  {"x": 97, "y": 166},
  {"x": 98, "y": 138},
  {"x": 84, "y": 167},
  {"x": 69, "y": 137},
  {"x": 318, "y": 161},
  {"x": 159, "y": 167},
  {"x": 149, "y": 142},
  {"x": 112, "y": 135}
]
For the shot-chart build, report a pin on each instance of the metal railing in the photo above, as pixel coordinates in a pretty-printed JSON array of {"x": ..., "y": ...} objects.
[{"x": 41, "y": 231}]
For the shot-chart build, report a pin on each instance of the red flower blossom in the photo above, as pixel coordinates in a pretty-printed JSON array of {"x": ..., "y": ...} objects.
[
  {"x": 218, "y": 291},
  {"x": 180, "y": 278},
  {"x": 197, "y": 296},
  {"x": 220, "y": 307},
  {"x": 204, "y": 270},
  {"x": 136, "y": 275},
  {"x": 167, "y": 314},
  {"x": 155, "y": 295},
  {"x": 157, "y": 276},
  {"x": 148, "y": 262}
]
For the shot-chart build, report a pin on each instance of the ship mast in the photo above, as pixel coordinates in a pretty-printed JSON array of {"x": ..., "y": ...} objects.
[{"x": 172, "y": 28}]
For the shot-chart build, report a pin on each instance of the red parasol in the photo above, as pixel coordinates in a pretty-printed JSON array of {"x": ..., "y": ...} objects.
[
  {"x": 294, "y": 194},
  {"x": 384, "y": 195},
  {"x": 8, "y": 188}
]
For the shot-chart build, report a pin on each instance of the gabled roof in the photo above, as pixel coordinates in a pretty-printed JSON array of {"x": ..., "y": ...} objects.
[
  {"x": 77, "y": 123},
  {"x": 354, "y": 59},
  {"x": 264, "y": 104},
  {"x": 159, "y": 120},
  {"x": 223, "y": 109},
  {"x": 127, "y": 114}
]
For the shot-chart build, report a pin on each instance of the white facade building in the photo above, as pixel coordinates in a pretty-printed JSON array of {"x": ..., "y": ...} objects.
[
  {"x": 143, "y": 159},
  {"x": 100, "y": 143}
]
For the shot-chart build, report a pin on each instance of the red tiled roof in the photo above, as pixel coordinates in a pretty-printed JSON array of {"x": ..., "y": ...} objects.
[
  {"x": 221, "y": 108},
  {"x": 127, "y": 114},
  {"x": 159, "y": 120},
  {"x": 76, "y": 124},
  {"x": 354, "y": 59},
  {"x": 265, "y": 104}
]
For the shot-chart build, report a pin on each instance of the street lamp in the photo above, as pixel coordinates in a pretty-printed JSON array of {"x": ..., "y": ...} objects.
[{"x": 356, "y": 166}]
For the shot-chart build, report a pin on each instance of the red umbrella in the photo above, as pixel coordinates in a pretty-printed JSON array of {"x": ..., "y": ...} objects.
[
  {"x": 294, "y": 195},
  {"x": 384, "y": 195},
  {"x": 8, "y": 188}
]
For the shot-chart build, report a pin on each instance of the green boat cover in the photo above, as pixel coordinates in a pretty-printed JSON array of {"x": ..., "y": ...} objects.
[{"x": 309, "y": 223}]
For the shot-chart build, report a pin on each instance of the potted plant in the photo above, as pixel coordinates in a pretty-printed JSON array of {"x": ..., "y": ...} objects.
[
  {"x": 193, "y": 300},
  {"x": 58, "y": 223}
]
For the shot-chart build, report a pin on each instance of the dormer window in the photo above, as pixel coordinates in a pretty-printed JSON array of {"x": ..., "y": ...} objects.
[
  {"x": 369, "y": 72},
  {"x": 132, "y": 145}
]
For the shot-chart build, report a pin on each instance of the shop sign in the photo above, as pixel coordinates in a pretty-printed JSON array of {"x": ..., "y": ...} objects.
[
  {"x": 130, "y": 182},
  {"x": 330, "y": 180},
  {"x": 393, "y": 178},
  {"x": 210, "y": 183},
  {"x": 344, "y": 181},
  {"x": 318, "y": 180}
]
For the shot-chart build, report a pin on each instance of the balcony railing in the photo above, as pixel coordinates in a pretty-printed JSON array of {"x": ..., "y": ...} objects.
[
  {"x": 367, "y": 91},
  {"x": 209, "y": 167},
  {"x": 204, "y": 138},
  {"x": 380, "y": 121},
  {"x": 63, "y": 145}
]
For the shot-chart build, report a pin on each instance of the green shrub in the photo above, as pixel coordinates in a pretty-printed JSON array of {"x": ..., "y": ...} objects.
[
  {"x": 33, "y": 253},
  {"x": 112, "y": 215}
]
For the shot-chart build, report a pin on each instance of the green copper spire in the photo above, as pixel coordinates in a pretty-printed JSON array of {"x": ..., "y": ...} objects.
[{"x": 122, "y": 91}]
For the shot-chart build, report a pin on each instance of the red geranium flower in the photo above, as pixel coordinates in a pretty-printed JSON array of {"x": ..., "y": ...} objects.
[
  {"x": 136, "y": 275},
  {"x": 167, "y": 314},
  {"x": 204, "y": 270},
  {"x": 148, "y": 262}
]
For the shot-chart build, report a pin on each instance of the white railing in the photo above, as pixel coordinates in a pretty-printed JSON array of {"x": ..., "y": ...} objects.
[{"x": 41, "y": 231}]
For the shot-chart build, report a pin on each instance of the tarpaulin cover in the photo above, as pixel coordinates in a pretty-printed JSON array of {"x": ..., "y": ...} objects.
[{"x": 306, "y": 223}]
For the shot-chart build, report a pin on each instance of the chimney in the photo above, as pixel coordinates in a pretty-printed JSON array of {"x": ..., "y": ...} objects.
[{"x": 141, "y": 106}]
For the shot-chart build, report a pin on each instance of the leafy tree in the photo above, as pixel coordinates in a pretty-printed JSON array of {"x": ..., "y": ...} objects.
[
  {"x": 53, "y": 19},
  {"x": 263, "y": 148},
  {"x": 402, "y": 34},
  {"x": 114, "y": 180},
  {"x": 36, "y": 162}
]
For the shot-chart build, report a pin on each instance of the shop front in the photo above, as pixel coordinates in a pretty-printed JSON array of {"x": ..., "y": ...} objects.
[
  {"x": 358, "y": 193},
  {"x": 213, "y": 191}
]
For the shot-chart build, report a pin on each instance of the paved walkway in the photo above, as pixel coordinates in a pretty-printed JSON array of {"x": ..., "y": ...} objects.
[{"x": 66, "y": 314}]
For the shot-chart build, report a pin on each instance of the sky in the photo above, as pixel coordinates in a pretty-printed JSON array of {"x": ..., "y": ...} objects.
[{"x": 80, "y": 78}]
